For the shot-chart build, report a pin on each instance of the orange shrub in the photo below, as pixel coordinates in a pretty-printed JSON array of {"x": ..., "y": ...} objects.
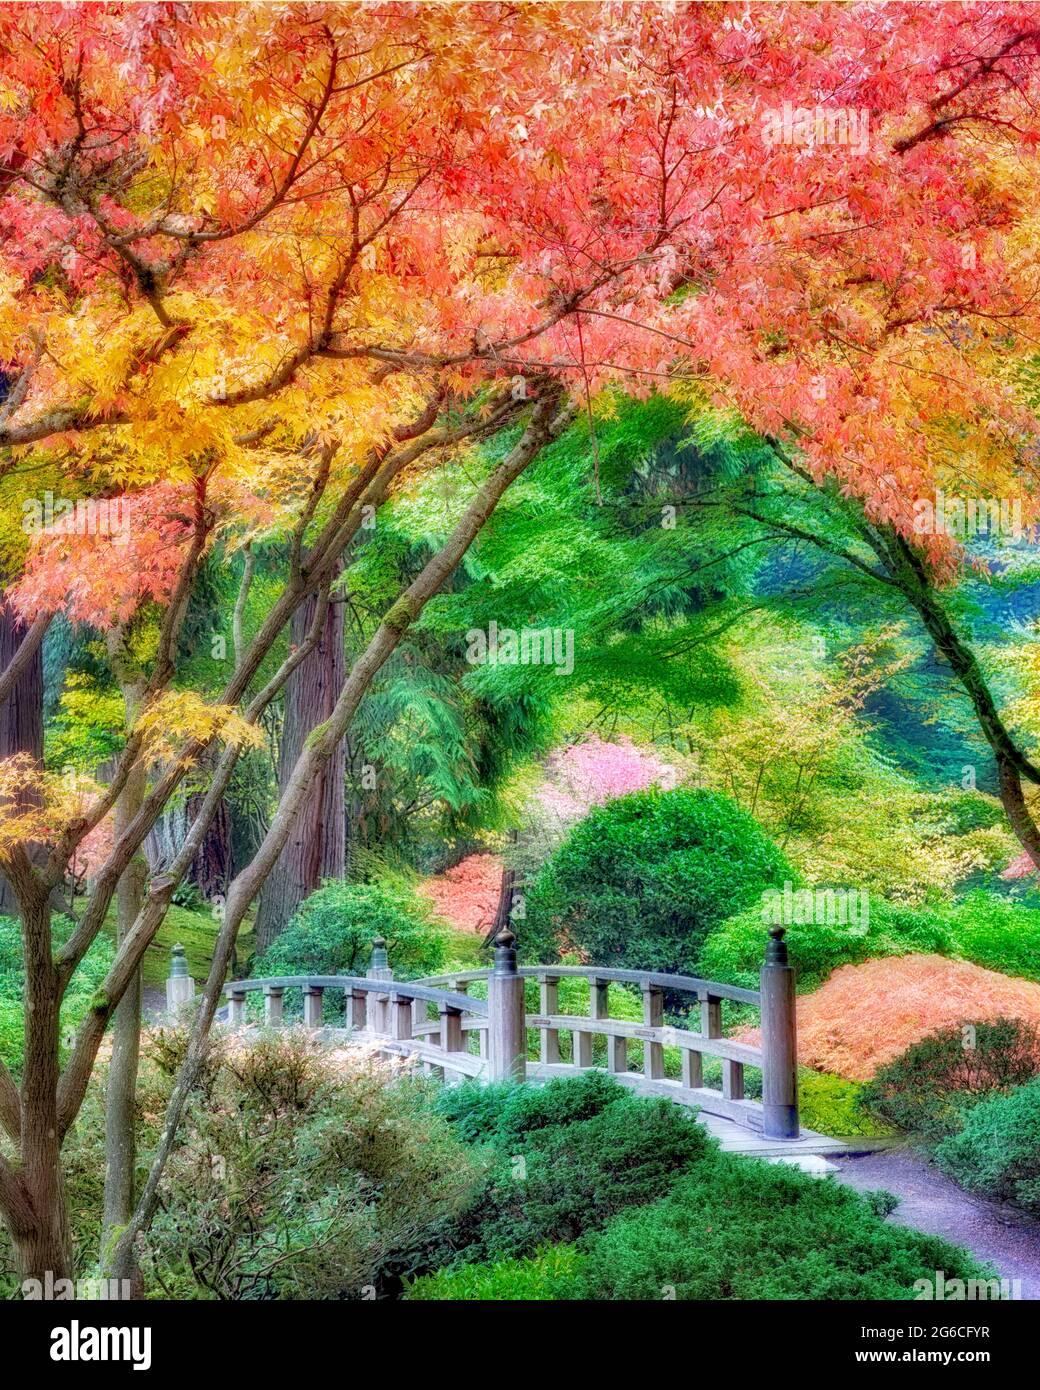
[
  {"x": 866, "y": 1015},
  {"x": 467, "y": 895}
]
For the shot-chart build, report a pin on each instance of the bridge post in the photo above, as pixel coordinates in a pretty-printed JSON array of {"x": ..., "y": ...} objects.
[
  {"x": 358, "y": 1011},
  {"x": 507, "y": 1027},
  {"x": 180, "y": 987},
  {"x": 378, "y": 1006},
  {"x": 401, "y": 1016},
  {"x": 237, "y": 1008},
  {"x": 779, "y": 1042}
]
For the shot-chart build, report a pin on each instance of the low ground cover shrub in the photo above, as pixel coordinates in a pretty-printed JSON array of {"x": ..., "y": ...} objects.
[
  {"x": 931, "y": 1086},
  {"x": 740, "y": 1229},
  {"x": 570, "y": 1155},
  {"x": 550, "y": 1274},
  {"x": 996, "y": 1153},
  {"x": 728, "y": 1228},
  {"x": 832, "y": 1105}
]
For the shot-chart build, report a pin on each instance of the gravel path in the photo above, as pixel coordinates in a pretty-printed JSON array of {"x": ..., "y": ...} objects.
[{"x": 933, "y": 1203}]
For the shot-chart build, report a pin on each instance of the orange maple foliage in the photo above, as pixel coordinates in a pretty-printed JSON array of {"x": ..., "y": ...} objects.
[
  {"x": 866, "y": 1015},
  {"x": 467, "y": 895}
]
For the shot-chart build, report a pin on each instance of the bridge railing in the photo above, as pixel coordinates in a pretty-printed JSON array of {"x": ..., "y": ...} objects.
[
  {"x": 393, "y": 1012},
  {"x": 489, "y": 1038}
]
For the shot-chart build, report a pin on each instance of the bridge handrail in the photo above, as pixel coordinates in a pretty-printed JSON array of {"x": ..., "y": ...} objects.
[
  {"x": 395, "y": 1013},
  {"x": 689, "y": 984},
  {"x": 410, "y": 989}
]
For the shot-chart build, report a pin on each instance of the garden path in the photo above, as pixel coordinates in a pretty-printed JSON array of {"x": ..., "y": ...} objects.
[{"x": 931, "y": 1202}]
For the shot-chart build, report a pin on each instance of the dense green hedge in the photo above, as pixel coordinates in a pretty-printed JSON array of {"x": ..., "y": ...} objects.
[
  {"x": 640, "y": 882},
  {"x": 982, "y": 927}
]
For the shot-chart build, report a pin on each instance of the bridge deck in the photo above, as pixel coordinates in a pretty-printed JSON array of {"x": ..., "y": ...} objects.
[{"x": 733, "y": 1136}]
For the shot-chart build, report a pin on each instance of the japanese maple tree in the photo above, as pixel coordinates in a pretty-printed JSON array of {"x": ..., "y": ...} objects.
[{"x": 260, "y": 263}]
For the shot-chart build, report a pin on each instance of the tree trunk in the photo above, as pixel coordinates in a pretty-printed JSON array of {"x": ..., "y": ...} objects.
[
  {"x": 211, "y": 867},
  {"x": 21, "y": 715},
  {"x": 121, "y": 1093},
  {"x": 316, "y": 849},
  {"x": 44, "y": 1243}
]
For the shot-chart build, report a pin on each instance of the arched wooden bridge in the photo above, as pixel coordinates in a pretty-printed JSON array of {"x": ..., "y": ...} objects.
[{"x": 455, "y": 1034}]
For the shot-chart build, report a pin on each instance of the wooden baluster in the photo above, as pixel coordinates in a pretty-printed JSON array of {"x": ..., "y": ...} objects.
[
  {"x": 549, "y": 1003},
  {"x": 732, "y": 1079},
  {"x": 237, "y": 1008},
  {"x": 653, "y": 1017},
  {"x": 274, "y": 1007},
  {"x": 380, "y": 1016},
  {"x": 711, "y": 1016},
  {"x": 313, "y": 996},
  {"x": 692, "y": 1069},
  {"x": 617, "y": 1054},
  {"x": 401, "y": 1009},
  {"x": 452, "y": 1037},
  {"x": 599, "y": 1007},
  {"x": 711, "y": 1027},
  {"x": 358, "y": 1009}
]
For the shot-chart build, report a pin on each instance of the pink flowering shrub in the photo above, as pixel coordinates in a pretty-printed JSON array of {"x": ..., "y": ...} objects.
[{"x": 592, "y": 772}]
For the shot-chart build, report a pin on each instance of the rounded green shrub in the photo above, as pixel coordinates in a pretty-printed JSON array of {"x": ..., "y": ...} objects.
[
  {"x": 571, "y": 1155},
  {"x": 933, "y": 1084},
  {"x": 332, "y": 931},
  {"x": 503, "y": 1113},
  {"x": 997, "y": 1152},
  {"x": 640, "y": 882}
]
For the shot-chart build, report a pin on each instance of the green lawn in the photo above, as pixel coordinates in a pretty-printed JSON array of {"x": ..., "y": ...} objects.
[{"x": 194, "y": 930}]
